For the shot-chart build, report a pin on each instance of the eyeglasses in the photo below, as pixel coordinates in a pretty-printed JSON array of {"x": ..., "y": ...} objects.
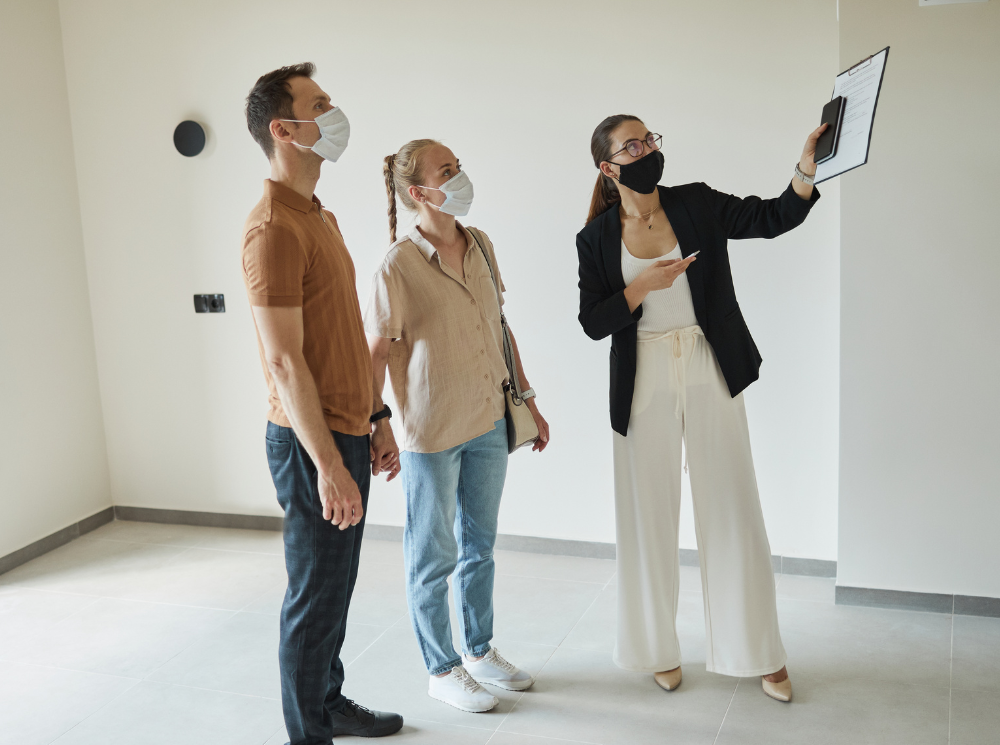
[{"x": 635, "y": 147}]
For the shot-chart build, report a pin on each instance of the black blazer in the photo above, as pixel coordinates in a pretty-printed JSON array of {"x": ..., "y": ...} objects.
[{"x": 703, "y": 219}]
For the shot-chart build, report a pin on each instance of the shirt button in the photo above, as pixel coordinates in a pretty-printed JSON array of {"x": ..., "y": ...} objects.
[
  {"x": 482, "y": 351},
  {"x": 478, "y": 327},
  {"x": 486, "y": 377},
  {"x": 489, "y": 400},
  {"x": 473, "y": 302}
]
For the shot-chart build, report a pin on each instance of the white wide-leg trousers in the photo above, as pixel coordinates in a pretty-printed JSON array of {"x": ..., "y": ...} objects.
[{"x": 680, "y": 394}]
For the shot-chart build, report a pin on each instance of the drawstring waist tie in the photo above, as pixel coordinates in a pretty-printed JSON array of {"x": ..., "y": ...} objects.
[{"x": 678, "y": 339}]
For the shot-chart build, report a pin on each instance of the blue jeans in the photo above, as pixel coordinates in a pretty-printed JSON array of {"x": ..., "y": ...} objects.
[
  {"x": 452, "y": 503},
  {"x": 322, "y": 565}
]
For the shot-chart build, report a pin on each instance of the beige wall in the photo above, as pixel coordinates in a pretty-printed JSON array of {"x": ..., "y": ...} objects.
[
  {"x": 516, "y": 93},
  {"x": 53, "y": 469},
  {"x": 920, "y": 343}
]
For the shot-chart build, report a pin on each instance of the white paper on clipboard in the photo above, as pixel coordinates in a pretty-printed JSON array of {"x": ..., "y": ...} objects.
[{"x": 860, "y": 86}]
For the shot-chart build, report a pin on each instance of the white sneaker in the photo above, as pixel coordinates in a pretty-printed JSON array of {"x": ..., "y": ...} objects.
[
  {"x": 461, "y": 690},
  {"x": 494, "y": 670}
]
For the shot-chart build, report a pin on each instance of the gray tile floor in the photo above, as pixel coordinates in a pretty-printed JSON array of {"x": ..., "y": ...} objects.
[{"x": 144, "y": 634}]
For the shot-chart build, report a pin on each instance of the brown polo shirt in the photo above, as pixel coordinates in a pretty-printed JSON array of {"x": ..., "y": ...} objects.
[{"x": 294, "y": 256}]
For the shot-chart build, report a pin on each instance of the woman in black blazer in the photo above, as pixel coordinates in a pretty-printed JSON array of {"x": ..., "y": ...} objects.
[{"x": 681, "y": 354}]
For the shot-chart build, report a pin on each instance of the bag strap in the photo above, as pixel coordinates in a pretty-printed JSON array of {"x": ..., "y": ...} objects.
[{"x": 508, "y": 345}]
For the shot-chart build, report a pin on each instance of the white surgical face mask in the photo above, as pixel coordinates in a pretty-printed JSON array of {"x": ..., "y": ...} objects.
[
  {"x": 334, "y": 132},
  {"x": 457, "y": 195}
]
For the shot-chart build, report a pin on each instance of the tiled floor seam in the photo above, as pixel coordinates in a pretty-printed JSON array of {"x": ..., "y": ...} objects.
[
  {"x": 723, "y": 722},
  {"x": 210, "y": 690},
  {"x": 95, "y": 711},
  {"x": 72, "y": 670},
  {"x": 186, "y": 647},
  {"x": 543, "y": 737},
  {"x": 447, "y": 724},
  {"x": 525, "y": 693},
  {"x": 385, "y": 630},
  {"x": 547, "y": 659}
]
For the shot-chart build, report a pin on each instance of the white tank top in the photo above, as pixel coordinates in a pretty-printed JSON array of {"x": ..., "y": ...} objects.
[{"x": 662, "y": 310}]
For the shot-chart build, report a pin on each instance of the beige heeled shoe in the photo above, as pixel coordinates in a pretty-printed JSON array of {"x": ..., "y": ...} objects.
[
  {"x": 780, "y": 691},
  {"x": 668, "y": 680}
]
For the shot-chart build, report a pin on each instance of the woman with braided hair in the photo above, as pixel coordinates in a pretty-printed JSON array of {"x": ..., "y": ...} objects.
[{"x": 434, "y": 318}]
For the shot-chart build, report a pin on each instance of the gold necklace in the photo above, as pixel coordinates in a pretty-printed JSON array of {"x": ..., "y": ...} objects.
[{"x": 644, "y": 216}]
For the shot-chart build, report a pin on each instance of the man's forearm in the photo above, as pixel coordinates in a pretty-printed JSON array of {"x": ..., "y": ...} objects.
[
  {"x": 377, "y": 403},
  {"x": 300, "y": 401}
]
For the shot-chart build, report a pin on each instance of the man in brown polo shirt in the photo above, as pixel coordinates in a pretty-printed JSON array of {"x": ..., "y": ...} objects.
[{"x": 321, "y": 402}]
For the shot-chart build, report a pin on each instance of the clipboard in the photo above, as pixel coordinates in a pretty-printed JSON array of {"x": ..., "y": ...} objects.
[{"x": 860, "y": 85}]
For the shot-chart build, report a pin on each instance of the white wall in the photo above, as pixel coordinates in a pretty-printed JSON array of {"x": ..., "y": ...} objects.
[
  {"x": 516, "y": 93},
  {"x": 53, "y": 470},
  {"x": 920, "y": 332}
]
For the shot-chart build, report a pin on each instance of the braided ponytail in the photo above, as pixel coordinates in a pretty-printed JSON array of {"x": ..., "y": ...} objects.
[
  {"x": 390, "y": 189},
  {"x": 402, "y": 171}
]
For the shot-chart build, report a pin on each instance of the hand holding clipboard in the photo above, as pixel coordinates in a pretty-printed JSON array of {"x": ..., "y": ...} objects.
[{"x": 858, "y": 88}]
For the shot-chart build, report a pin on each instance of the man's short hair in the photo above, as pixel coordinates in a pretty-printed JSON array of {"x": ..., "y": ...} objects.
[{"x": 270, "y": 99}]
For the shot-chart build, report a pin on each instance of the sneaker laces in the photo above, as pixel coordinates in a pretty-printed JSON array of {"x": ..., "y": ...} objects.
[
  {"x": 352, "y": 708},
  {"x": 462, "y": 677},
  {"x": 495, "y": 658}
]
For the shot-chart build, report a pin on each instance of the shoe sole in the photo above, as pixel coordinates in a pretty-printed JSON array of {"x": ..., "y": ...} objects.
[
  {"x": 507, "y": 686},
  {"x": 466, "y": 709}
]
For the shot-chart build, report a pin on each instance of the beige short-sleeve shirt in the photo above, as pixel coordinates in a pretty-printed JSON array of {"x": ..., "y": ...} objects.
[{"x": 446, "y": 365}]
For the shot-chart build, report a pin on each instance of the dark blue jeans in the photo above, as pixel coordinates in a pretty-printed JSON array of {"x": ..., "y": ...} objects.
[{"x": 322, "y": 565}]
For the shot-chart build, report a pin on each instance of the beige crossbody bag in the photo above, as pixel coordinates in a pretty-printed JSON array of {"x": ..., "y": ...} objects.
[{"x": 521, "y": 428}]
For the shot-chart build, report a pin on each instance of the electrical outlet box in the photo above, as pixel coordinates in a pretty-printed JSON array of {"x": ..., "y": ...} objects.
[{"x": 210, "y": 303}]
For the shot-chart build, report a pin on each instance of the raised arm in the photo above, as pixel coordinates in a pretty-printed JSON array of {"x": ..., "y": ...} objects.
[
  {"x": 281, "y": 333},
  {"x": 753, "y": 217}
]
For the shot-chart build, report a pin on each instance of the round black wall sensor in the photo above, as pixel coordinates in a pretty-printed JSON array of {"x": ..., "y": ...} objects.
[{"x": 189, "y": 138}]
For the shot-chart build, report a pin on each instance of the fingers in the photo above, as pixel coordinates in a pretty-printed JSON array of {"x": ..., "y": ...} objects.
[
  {"x": 543, "y": 437},
  {"x": 336, "y": 514},
  {"x": 814, "y": 138},
  {"x": 353, "y": 512},
  {"x": 392, "y": 464},
  {"x": 387, "y": 461}
]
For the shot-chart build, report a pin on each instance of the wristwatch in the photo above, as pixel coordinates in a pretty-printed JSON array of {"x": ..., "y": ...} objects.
[
  {"x": 386, "y": 413},
  {"x": 529, "y": 393},
  {"x": 802, "y": 177}
]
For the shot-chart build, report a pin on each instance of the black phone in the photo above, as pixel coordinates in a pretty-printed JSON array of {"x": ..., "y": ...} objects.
[{"x": 833, "y": 114}]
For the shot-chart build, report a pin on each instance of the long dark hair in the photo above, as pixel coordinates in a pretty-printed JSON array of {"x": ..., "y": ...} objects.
[{"x": 605, "y": 191}]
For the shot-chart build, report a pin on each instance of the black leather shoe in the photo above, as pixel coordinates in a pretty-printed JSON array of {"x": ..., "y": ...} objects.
[{"x": 361, "y": 722}]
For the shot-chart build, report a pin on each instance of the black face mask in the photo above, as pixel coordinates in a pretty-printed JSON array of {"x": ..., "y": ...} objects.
[{"x": 642, "y": 175}]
